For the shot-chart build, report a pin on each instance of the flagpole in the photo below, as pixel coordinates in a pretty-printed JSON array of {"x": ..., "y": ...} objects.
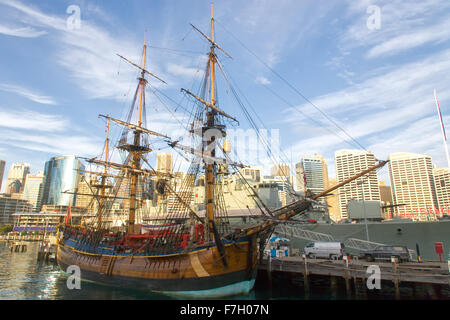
[{"x": 442, "y": 128}]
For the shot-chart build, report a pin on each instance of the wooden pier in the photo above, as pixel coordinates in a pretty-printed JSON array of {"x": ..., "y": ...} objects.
[
  {"x": 428, "y": 273},
  {"x": 18, "y": 247},
  {"x": 47, "y": 250}
]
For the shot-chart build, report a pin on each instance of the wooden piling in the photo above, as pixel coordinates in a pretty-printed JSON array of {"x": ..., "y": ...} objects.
[
  {"x": 269, "y": 271},
  {"x": 334, "y": 287},
  {"x": 395, "y": 276},
  {"x": 305, "y": 277}
]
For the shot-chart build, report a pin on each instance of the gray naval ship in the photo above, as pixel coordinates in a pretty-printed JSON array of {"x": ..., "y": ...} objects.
[
  {"x": 360, "y": 233},
  {"x": 316, "y": 225}
]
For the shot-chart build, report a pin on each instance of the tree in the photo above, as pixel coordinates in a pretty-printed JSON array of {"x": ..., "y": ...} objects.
[{"x": 5, "y": 229}]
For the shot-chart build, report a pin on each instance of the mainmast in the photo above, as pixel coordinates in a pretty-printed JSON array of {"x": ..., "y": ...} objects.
[
  {"x": 135, "y": 152},
  {"x": 210, "y": 116},
  {"x": 208, "y": 147}
]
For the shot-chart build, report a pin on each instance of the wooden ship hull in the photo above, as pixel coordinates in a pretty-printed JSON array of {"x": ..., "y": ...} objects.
[{"x": 197, "y": 273}]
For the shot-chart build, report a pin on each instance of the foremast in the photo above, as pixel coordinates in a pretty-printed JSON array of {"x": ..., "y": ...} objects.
[{"x": 133, "y": 168}]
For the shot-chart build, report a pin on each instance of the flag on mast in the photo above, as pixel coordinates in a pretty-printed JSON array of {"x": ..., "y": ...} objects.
[
  {"x": 68, "y": 216},
  {"x": 443, "y": 129}
]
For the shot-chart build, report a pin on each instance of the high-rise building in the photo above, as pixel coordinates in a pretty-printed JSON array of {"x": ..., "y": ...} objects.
[
  {"x": 2, "y": 172},
  {"x": 412, "y": 183},
  {"x": 164, "y": 162},
  {"x": 251, "y": 174},
  {"x": 16, "y": 177},
  {"x": 442, "y": 184},
  {"x": 282, "y": 170},
  {"x": 87, "y": 187},
  {"x": 34, "y": 186},
  {"x": 283, "y": 185},
  {"x": 386, "y": 199},
  {"x": 312, "y": 170},
  {"x": 9, "y": 205},
  {"x": 62, "y": 176},
  {"x": 349, "y": 163}
]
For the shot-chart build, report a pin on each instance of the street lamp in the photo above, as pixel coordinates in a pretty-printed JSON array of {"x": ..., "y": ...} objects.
[{"x": 360, "y": 183}]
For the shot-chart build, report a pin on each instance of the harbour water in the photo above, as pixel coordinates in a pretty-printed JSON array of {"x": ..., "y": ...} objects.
[{"x": 22, "y": 278}]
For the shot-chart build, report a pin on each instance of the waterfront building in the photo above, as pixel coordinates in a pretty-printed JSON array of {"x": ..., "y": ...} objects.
[
  {"x": 333, "y": 202},
  {"x": 349, "y": 163},
  {"x": 412, "y": 183},
  {"x": 164, "y": 163},
  {"x": 16, "y": 177},
  {"x": 386, "y": 200},
  {"x": 63, "y": 209},
  {"x": 251, "y": 174},
  {"x": 48, "y": 220},
  {"x": 87, "y": 188},
  {"x": 280, "y": 170},
  {"x": 283, "y": 185},
  {"x": 34, "y": 186},
  {"x": 38, "y": 221},
  {"x": 62, "y": 176},
  {"x": 10, "y": 204},
  {"x": 312, "y": 174},
  {"x": 239, "y": 196},
  {"x": 2, "y": 172},
  {"x": 122, "y": 190},
  {"x": 442, "y": 184}
]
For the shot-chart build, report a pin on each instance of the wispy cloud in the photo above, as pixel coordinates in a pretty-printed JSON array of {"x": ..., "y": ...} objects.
[
  {"x": 24, "y": 32},
  {"x": 24, "y": 92},
  {"x": 30, "y": 120},
  {"x": 181, "y": 70},
  {"x": 404, "y": 25},
  {"x": 87, "y": 53},
  {"x": 386, "y": 113},
  {"x": 273, "y": 28},
  {"x": 401, "y": 86},
  {"x": 426, "y": 35},
  {"x": 57, "y": 144},
  {"x": 262, "y": 80}
]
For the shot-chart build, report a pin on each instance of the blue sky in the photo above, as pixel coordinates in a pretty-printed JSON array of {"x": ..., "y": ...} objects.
[{"x": 377, "y": 84}]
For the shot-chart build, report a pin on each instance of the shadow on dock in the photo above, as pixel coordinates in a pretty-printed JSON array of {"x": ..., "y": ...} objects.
[{"x": 317, "y": 279}]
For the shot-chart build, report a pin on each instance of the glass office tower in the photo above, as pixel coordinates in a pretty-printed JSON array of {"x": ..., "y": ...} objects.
[{"x": 62, "y": 176}]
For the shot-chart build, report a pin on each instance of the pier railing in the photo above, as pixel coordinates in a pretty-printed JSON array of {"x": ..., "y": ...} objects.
[
  {"x": 14, "y": 236},
  {"x": 303, "y": 233}
]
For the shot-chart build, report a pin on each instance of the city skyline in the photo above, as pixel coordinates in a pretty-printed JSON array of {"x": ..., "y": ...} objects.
[
  {"x": 166, "y": 160},
  {"x": 412, "y": 177},
  {"x": 367, "y": 71}
]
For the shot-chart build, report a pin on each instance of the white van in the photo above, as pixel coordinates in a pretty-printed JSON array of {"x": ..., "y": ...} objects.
[{"x": 328, "y": 250}]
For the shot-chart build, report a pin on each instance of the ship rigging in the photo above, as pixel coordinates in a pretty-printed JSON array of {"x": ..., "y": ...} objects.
[{"x": 191, "y": 252}]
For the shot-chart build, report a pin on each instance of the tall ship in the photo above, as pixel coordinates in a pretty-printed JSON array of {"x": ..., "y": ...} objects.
[{"x": 188, "y": 252}]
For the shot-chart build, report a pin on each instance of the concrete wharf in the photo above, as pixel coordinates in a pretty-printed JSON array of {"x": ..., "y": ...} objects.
[{"x": 430, "y": 273}]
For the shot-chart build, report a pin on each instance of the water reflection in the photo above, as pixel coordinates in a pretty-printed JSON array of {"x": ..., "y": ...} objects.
[{"x": 22, "y": 278}]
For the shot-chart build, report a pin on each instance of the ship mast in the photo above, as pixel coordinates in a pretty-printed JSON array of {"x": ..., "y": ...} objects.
[
  {"x": 444, "y": 137},
  {"x": 208, "y": 147},
  {"x": 210, "y": 116},
  {"x": 103, "y": 180},
  {"x": 135, "y": 152}
]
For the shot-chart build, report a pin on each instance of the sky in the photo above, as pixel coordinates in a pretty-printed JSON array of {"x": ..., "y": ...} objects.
[{"x": 318, "y": 75}]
